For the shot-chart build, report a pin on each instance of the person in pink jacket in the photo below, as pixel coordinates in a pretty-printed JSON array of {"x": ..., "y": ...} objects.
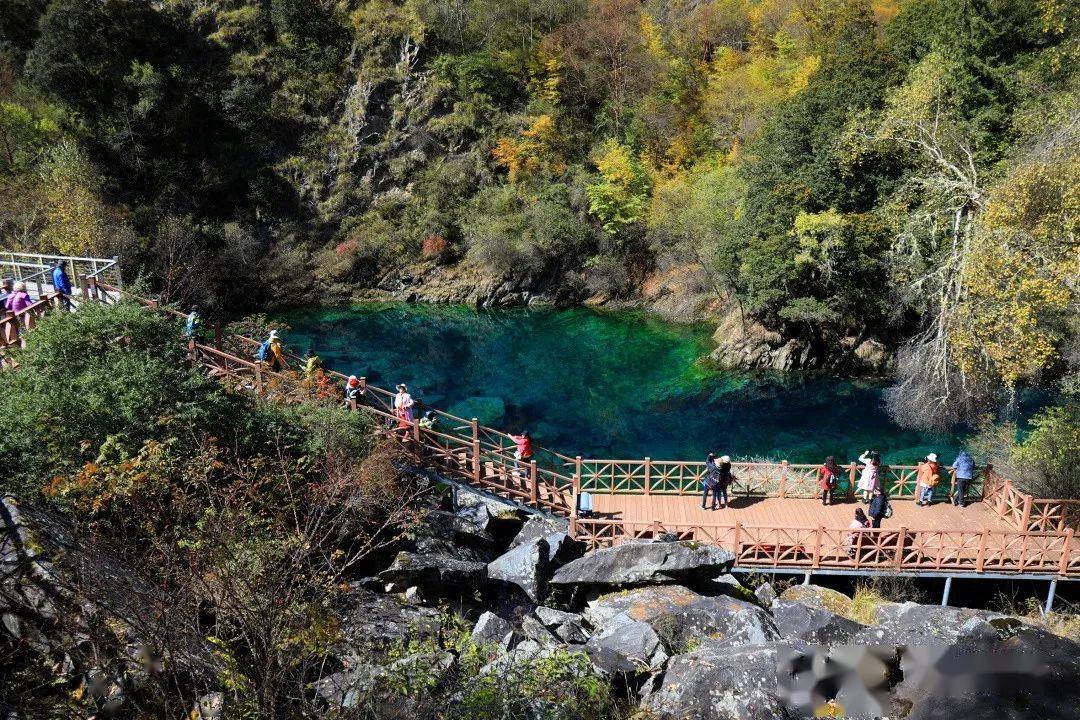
[{"x": 18, "y": 300}]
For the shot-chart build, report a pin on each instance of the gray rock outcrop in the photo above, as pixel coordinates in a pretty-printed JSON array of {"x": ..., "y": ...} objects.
[
  {"x": 631, "y": 646},
  {"x": 645, "y": 563}
]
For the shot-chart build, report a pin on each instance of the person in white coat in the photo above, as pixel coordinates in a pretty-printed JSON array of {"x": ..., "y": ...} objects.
[{"x": 871, "y": 462}]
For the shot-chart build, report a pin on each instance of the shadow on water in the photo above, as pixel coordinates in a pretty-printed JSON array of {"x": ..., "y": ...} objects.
[{"x": 601, "y": 384}]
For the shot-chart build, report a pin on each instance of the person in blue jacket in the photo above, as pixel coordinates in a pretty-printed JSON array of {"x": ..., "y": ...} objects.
[
  {"x": 62, "y": 283},
  {"x": 964, "y": 467}
]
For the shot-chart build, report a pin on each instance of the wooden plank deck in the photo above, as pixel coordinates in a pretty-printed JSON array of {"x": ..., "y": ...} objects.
[{"x": 791, "y": 512}]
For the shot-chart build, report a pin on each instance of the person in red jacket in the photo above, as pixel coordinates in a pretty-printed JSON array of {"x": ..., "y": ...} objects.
[
  {"x": 523, "y": 452},
  {"x": 828, "y": 478}
]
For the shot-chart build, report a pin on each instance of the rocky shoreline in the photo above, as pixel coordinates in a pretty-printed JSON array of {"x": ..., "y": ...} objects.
[
  {"x": 678, "y": 295},
  {"x": 663, "y": 620}
]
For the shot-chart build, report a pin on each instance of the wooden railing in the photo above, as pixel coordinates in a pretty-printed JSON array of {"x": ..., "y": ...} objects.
[
  {"x": 481, "y": 456},
  {"x": 823, "y": 547},
  {"x": 782, "y": 479}
]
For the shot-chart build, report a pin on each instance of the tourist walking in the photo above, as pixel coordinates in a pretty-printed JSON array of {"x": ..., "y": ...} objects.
[
  {"x": 312, "y": 363},
  {"x": 828, "y": 479},
  {"x": 277, "y": 353},
  {"x": 879, "y": 505},
  {"x": 62, "y": 284},
  {"x": 861, "y": 522},
  {"x": 871, "y": 465},
  {"x": 354, "y": 393},
  {"x": 403, "y": 403},
  {"x": 928, "y": 477},
  {"x": 18, "y": 300},
  {"x": 710, "y": 482},
  {"x": 523, "y": 449},
  {"x": 964, "y": 467},
  {"x": 192, "y": 323}
]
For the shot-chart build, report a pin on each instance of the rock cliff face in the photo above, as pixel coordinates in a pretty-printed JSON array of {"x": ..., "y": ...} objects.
[
  {"x": 652, "y": 617},
  {"x": 743, "y": 343}
]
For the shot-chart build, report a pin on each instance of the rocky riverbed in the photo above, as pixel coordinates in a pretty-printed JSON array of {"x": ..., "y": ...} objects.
[{"x": 666, "y": 622}]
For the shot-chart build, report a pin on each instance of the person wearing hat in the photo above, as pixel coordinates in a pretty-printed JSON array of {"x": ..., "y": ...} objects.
[
  {"x": 354, "y": 393},
  {"x": 277, "y": 354},
  {"x": 929, "y": 475},
  {"x": 403, "y": 403},
  {"x": 726, "y": 478}
]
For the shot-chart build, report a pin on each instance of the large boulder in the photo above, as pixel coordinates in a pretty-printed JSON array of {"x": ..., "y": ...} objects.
[
  {"x": 819, "y": 597},
  {"x": 435, "y": 574},
  {"x": 813, "y": 624},
  {"x": 626, "y": 647},
  {"x": 719, "y": 681},
  {"x": 646, "y": 563},
  {"x": 463, "y": 536},
  {"x": 490, "y": 629},
  {"x": 913, "y": 624},
  {"x": 681, "y": 616},
  {"x": 527, "y": 567},
  {"x": 568, "y": 627},
  {"x": 1029, "y": 673},
  {"x": 537, "y": 526},
  {"x": 376, "y": 620}
]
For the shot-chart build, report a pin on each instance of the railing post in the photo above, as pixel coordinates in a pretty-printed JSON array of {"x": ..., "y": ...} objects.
[
  {"x": 952, "y": 483},
  {"x": 901, "y": 536},
  {"x": 1066, "y": 553},
  {"x": 217, "y": 336},
  {"x": 1005, "y": 488},
  {"x": 476, "y": 461},
  {"x": 534, "y": 484},
  {"x": 648, "y": 472},
  {"x": 577, "y": 470},
  {"x": 475, "y": 429},
  {"x": 1026, "y": 521},
  {"x": 736, "y": 540},
  {"x": 980, "y": 559},
  {"x": 783, "y": 479},
  {"x": 988, "y": 476},
  {"x": 852, "y": 472},
  {"x": 84, "y": 283},
  {"x": 817, "y": 545},
  {"x": 258, "y": 378}
]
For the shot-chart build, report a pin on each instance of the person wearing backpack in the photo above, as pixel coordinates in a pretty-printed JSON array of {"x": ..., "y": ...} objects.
[
  {"x": 354, "y": 393},
  {"x": 828, "y": 479},
  {"x": 879, "y": 506},
  {"x": 928, "y": 477}
]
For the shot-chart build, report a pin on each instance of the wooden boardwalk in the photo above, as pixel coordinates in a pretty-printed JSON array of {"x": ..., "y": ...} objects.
[
  {"x": 791, "y": 512},
  {"x": 774, "y": 520}
]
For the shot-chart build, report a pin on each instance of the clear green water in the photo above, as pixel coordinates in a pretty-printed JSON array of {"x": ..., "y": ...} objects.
[{"x": 601, "y": 384}]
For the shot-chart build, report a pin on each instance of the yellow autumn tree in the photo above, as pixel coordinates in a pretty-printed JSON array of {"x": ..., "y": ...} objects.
[
  {"x": 74, "y": 220},
  {"x": 535, "y": 152},
  {"x": 1021, "y": 273}
]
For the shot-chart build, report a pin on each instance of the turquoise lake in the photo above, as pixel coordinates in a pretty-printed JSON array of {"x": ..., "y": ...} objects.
[{"x": 602, "y": 384}]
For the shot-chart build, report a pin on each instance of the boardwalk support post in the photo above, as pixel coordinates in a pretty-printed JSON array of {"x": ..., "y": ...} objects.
[
  {"x": 1050, "y": 597},
  {"x": 945, "y": 592}
]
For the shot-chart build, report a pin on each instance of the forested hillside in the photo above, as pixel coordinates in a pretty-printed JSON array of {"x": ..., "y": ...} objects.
[{"x": 833, "y": 171}]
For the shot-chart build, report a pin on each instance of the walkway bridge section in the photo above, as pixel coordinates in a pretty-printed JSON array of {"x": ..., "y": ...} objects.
[
  {"x": 774, "y": 521},
  {"x": 89, "y": 278}
]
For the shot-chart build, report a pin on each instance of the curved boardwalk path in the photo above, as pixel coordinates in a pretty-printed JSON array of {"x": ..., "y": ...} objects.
[{"x": 773, "y": 522}]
